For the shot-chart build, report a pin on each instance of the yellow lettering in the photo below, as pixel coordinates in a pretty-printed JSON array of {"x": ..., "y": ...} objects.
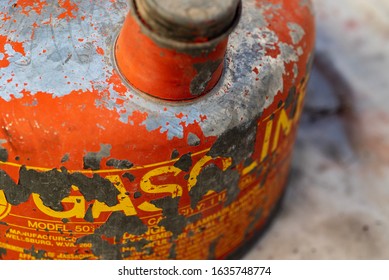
[
  {"x": 196, "y": 171},
  {"x": 227, "y": 162},
  {"x": 283, "y": 123},
  {"x": 124, "y": 204},
  {"x": 147, "y": 186},
  {"x": 5, "y": 207},
  {"x": 47, "y": 226},
  {"x": 154, "y": 221},
  {"x": 249, "y": 168},
  {"x": 77, "y": 211},
  {"x": 148, "y": 207},
  {"x": 266, "y": 140}
]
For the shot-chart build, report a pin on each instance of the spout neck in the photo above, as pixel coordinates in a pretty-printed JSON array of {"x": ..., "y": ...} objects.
[{"x": 162, "y": 53}]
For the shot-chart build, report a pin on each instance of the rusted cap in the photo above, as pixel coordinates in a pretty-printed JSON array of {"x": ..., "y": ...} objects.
[{"x": 188, "y": 20}]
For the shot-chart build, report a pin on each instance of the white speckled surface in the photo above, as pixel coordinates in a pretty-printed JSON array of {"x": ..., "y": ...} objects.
[{"x": 337, "y": 202}]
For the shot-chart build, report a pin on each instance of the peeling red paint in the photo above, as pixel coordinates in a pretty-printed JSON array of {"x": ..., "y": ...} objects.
[
  {"x": 138, "y": 57},
  {"x": 16, "y": 46},
  {"x": 274, "y": 53},
  {"x": 82, "y": 123},
  {"x": 28, "y": 6},
  {"x": 69, "y": 7},
  {"x": 4, "y": 61},
  {"x": 180, "y": 115},
  {"x": 5, "y": 17},
  {"x": 203, "y": 118},
  {"x": 100, "y": 51},
  {"x": 117, "y": 84},
  {"x": 49, "y": 20}
]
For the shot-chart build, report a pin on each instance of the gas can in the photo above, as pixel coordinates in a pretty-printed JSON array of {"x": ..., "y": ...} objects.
[{"x": 146, "y": 129}]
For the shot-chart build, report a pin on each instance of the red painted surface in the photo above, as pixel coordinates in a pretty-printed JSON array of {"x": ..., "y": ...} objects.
[
  {"x": 41, "y": 129},
  {"x": 142, "y": 60}
]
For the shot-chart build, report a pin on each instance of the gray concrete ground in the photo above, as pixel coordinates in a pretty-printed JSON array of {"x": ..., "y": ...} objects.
[{"x": 337, "y": 202}]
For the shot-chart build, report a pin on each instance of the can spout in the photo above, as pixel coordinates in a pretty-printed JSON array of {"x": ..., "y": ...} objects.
[{"x": 175, "y": 49}]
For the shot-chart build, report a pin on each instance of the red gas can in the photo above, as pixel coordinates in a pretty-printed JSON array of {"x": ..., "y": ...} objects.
[{"x": 146, "y": 129}]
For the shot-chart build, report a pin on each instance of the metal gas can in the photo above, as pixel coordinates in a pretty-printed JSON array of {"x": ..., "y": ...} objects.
[{"x": 146, "y": 129}]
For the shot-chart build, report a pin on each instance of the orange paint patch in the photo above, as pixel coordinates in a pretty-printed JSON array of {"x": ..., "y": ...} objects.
[
  {"x": 69, "y": 7},
  {"x": 117, "y": 83},
  {"x": 5, "y": 17},
  {"x": 28, "y": 6},
  {"x": 273, "y": 53},
  {"x": 16, "y": 46},
  {"x": 4, "y": 61},
  {"x": 100, "y": 50},
  {"x": 203, "y": 118},
  {"x": 180, "y": 115}
]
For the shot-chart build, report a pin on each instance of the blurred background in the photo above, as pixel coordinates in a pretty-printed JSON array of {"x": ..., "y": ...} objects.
[{"x": 337, "y": 202}]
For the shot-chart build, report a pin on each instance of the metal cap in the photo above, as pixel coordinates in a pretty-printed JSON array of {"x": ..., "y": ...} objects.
[{"x": 188, "y": 20}]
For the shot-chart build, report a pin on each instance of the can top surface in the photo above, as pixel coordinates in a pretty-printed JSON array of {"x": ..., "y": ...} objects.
[
  {"x": 187, "y": 20},
  {"x": 57, "y": 54}
]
